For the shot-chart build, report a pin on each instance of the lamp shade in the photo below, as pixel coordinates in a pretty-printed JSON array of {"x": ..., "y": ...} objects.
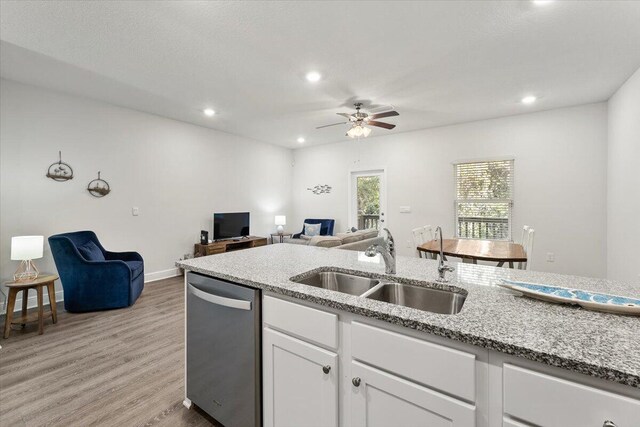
[
  {"x": 26, "y": 247},
  {"x": 281, "y": 220}
]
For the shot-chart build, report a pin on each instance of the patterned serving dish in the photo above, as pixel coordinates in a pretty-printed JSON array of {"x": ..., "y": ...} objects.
[{"x": 589, "y": 300}]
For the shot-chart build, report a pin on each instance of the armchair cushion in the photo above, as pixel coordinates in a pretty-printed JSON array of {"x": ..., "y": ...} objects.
[{"x": 91, "y": 252}]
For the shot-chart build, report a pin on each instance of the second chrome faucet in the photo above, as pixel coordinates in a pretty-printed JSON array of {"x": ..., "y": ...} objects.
[{"x": 442, "y": 267}]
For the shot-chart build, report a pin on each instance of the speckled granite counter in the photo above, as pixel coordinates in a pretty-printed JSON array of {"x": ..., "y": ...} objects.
[{"x": 598, "y": 344}]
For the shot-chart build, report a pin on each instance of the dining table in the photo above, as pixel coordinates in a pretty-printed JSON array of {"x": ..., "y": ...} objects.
[{"x": 474, "y": 250}]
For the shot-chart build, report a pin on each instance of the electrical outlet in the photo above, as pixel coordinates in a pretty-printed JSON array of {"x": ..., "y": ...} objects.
[
  {"x": 135, "y": 211},
  {"x": 551, "y": 257},
  {"x": 409, "y": 244},
  {"x": 405, "y": 209}
]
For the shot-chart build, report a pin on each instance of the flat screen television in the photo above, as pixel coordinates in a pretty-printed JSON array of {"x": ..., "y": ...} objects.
[{"x": 230, "y": 224}]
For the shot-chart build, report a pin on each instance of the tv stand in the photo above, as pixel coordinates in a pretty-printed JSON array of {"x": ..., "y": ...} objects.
[{"x": 228, "y": 245}]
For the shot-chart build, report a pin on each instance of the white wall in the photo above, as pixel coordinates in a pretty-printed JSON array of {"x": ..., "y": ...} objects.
[
  {"x": 560, "y": 179},
  {"x": 176, "y": 173},
  {"x": 623, "y": 182}
]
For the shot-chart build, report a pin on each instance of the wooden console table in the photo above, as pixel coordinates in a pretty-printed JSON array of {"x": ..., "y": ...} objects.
[{"x": 228, "y": 245}]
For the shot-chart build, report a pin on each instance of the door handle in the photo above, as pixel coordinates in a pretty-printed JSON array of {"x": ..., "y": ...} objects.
[{"x": 218, "y": 300}]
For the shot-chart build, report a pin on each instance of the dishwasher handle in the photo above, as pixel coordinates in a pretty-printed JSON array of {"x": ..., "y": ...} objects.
[{"x": 218, "y": 300}]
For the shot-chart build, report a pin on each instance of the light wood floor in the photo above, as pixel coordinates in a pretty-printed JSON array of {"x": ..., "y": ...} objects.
[{"x": 111, "y": 368}]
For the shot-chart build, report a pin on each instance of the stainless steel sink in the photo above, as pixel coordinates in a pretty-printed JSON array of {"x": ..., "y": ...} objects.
[
  {"x": 418, "y": 297},
  {"x": 341, "y": 282},
  {"x": 427, "y": 299}
]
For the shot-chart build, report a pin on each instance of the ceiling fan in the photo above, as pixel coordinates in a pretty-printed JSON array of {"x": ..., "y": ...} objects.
[{"x": 360, "y": 120}]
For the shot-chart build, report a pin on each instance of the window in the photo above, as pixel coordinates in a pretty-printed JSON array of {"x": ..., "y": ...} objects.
[{"x": 484, "y": 199}]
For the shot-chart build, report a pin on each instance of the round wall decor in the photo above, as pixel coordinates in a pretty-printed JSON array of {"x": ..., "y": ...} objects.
[
  {"x": 60, "y": 171},
  {"x": 98, "y": 187}
]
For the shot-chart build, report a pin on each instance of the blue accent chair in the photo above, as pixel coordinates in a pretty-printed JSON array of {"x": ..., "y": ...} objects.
[
  {"x": 92, "y": 277},
  {"x": 326, "y": 229}
]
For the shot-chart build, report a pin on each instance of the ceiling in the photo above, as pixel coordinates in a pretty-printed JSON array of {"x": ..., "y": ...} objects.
[{"x": 437, "y": 63}]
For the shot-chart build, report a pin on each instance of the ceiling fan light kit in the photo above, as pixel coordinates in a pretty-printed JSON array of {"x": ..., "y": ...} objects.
[
  {"x": 359, "y": 119},
  {"x": 357, "y": 131}
]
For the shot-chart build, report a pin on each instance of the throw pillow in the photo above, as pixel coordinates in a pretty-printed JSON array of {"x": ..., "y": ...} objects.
[
  {"x": 312, "y": 229},
  {"x": 91, "y": 252}
]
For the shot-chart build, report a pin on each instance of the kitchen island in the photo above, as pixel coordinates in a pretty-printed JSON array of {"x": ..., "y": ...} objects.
[{"x": 520, "y": 348}]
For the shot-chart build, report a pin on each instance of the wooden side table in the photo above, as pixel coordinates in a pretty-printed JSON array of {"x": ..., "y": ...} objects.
[
  {"x": 281, "y": 236},
  {"x": 38, "y": 284}
]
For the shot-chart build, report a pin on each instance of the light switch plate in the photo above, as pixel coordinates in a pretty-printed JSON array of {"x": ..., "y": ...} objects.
[
  {"x": 135, "y": 211},
  {"x": 405, "y": 209},
  {"x": 551, "y": 257}
]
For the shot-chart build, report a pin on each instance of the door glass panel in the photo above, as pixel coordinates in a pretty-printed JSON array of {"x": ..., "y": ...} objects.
[{"x": 368, "y": 201}]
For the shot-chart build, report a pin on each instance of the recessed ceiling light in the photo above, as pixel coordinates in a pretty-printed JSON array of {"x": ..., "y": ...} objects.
[
  {"x": 300, "y": 140},
  {"x": 313, "y": 76},
  {"x": 542, "y": 2},
  {"x": 529, "y": 99},
  {"x": 209, "y": 112}
]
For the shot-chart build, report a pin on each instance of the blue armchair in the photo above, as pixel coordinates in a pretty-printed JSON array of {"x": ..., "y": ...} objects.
[
  {"x": 326, "y": 229},
  {"x": 92, "y": 277}
]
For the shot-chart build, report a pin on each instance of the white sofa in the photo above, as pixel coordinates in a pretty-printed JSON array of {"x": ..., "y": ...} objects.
[{"x": 355, "y": 241}]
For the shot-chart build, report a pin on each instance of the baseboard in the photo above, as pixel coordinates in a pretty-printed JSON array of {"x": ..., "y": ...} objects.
[
  {"x": 33, "y": 298},
  {"x": 163, "y": 274}
]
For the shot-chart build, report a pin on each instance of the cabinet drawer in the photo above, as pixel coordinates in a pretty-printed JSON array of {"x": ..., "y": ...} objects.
[
  {"x": 301, "y": 321},
  {"x": 549, "y": 401},
  {"x": 441, "y": 368}
]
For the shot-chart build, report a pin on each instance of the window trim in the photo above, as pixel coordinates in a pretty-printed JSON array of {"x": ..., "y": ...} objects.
[{"x": 456, "y": 201}]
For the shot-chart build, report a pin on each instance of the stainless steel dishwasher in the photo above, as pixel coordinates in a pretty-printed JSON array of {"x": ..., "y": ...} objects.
[{"x": 223, "y": 350}]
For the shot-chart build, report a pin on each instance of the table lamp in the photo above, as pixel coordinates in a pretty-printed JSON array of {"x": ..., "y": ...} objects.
[
  {"x": 280, "y": 221},
  {"x": 25, "y": 249}
]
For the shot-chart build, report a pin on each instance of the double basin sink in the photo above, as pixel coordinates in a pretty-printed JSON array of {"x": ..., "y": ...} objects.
[{"x": 418, "y": 297}]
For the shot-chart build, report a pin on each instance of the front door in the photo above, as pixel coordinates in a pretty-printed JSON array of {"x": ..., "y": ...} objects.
[{"x": 367, "y": 199}]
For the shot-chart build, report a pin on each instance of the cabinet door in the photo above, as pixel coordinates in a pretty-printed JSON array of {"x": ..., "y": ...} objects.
[
  {"x": 300, "y": 383},
  {"x": 381, "y": 400}
]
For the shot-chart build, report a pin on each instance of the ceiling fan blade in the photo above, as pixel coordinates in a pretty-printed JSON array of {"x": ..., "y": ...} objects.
[
  {"x": 347, "y": 115},
  {"x": 335, "y": 124},
  {"x": 381, "y": 115},
  {"x": 374, "y": 109},
  {"x": 381, "y": 124}
]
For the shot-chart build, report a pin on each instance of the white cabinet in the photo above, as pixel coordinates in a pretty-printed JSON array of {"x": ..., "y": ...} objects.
[
  {"x": 407, "y": 379},
  {"x": 544, "y": 400},
  {"x": 300, "y": 383},
  {"x": 380, "y": 399}
]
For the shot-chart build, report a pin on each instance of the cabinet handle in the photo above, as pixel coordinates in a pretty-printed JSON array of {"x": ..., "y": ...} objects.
[
  {"x": 356, "y": 381},
  {"x": 609, "y": 424},
  {"x": 326, "y": 369}
]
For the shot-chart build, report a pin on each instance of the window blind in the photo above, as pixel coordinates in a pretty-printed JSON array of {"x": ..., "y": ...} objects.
[{"x": 484, "y": 199}]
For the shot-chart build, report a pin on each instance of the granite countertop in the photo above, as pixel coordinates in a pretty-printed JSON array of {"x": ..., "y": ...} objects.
[{"x": 597, "y": 344}]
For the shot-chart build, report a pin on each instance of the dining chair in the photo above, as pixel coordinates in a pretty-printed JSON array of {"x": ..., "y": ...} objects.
[
  {"x": 417, "y": 239},
  {"x": 422, "y": 235},
  {"x": 528, "y": 234},
  {"x": 525, "y": 236}
]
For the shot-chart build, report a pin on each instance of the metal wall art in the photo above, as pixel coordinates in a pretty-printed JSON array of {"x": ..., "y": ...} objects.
[
  {"x": 60, "y": 171},
  {"x": 98, "y": 187},
  {"x": 320, "y": 189}
]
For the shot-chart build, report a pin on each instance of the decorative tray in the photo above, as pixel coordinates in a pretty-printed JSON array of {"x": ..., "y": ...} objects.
[{"x": 590, "y": 300}]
